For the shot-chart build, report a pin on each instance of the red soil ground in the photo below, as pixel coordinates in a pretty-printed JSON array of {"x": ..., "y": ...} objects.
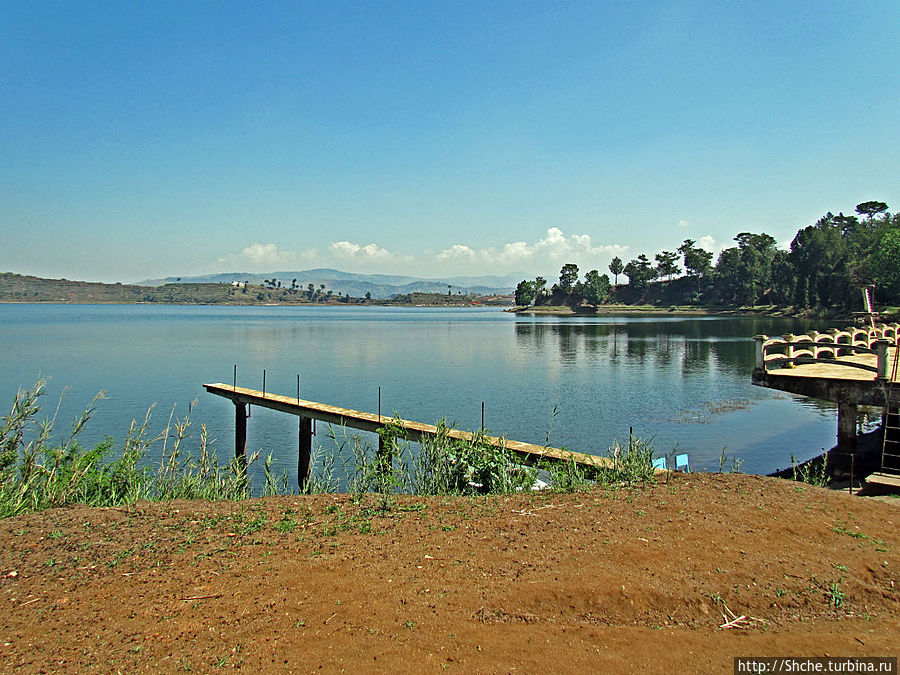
[{"x": 606, "y": 581}]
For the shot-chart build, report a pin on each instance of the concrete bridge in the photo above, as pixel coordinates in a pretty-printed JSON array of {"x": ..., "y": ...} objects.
[{"x": 851, "y": 367}]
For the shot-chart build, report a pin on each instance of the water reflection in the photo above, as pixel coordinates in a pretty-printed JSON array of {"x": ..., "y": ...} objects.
[
  {"x": 602, "y": 374},
  {"x": 693, "y": 346}
]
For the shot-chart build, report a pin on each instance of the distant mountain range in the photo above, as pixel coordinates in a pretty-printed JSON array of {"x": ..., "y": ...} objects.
[{"x": 381, "y": 286}]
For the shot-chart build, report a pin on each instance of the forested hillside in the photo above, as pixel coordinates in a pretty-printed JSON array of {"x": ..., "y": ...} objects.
[{"x": 826, "y": 263}]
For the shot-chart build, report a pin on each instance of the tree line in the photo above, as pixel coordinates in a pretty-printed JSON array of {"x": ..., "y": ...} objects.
[{"x": 825, "y": 265}]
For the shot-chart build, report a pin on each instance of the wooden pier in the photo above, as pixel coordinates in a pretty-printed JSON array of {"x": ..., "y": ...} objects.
[{"x": 308, "y": 411}]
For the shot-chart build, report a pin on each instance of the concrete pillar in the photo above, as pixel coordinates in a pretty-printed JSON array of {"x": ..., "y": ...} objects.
[
  {"x": 846, "y": 427},
  {"x": 760, "y": 351},
  {"x": 789, "y": 350},
  {"x": 881, "y": 351}
]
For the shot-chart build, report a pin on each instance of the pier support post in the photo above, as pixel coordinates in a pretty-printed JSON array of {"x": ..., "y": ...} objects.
[
  {"x": 240, "y": 433},
  {"x": 305, "y": 452},
  {"x": 387, "y": 446},
  {"x": 760, "y": 351},
  {"x": 846, "y": 427},
  {"x": 881, "y": 350}
]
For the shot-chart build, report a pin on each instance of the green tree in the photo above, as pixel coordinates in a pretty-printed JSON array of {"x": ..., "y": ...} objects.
[
  {"x": 871, "y": 209},
  {"x": 616, "y": 267},
  {"x": 729, "y": 274},
  {"x": 886, "y": 263},
  {"x": 568, "y": 275},
  {"x": 821, "y": 256},
  {"x": 697, "y": 261},
  {"x": 640, "y": 272},
  {"x": 524, "y": 292},
  {"x": 665, "y": 264},
  {"x": 744, "y": 272},
  {"x": 783, "y": 279},
  {"x": 576, "y": 295},
  {"x": 540, "y": 284},
  {"x": 596, "y": 288}
]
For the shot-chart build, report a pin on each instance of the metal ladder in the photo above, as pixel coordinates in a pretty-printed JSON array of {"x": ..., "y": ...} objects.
[{"x": 890, "y": 449}]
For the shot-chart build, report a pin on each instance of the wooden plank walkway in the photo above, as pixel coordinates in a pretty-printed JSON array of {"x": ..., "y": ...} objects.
[{"x": 528, "y": 453}]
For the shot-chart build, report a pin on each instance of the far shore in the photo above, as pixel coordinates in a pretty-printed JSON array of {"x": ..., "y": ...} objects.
[
  {"x": 559, "y": 311},
  {"x": 675, "y": 310}
]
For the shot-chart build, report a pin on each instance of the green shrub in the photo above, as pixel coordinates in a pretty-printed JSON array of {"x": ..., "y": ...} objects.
[{"x": 37, "y": 473}]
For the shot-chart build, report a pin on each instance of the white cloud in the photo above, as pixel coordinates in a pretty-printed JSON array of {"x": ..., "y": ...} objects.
[
  {"x": 549, "y": 252},
  {"x": 544, "y": 256},
  {"x": 347, "y": 250},
  {"x": 515, "y": 251},
  {"x": 683, "y": 223},
  {"x": 344, "y": 248},
  {"x": 456, "y": 251},
  {"x": 264, "y": 255}
]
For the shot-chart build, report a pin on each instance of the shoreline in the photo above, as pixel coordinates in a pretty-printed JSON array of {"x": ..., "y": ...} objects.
[
  {"x": 557, "y": 311},
  {"x": 251, "y": 304},
  {"x": 677, "y": 310}
]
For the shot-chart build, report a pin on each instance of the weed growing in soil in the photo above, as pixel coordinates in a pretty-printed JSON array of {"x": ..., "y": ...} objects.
[
  {"x": 444, "y": 465},
  {"x": 631, "y": 464},
  {"x": 814, "y": 472},
  {"x": 834, "y": 595},
  {"x": 37, "y": 473}
]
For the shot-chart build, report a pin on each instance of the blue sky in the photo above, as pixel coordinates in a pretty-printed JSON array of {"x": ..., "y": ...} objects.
[{"x": 141, "y": 140}]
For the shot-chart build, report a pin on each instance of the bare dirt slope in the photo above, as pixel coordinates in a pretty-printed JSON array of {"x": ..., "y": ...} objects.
[{"x": 607, "y": 581}]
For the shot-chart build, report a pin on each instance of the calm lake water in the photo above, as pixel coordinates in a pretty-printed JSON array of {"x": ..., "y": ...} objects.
[{"x": 683, "y": 382}]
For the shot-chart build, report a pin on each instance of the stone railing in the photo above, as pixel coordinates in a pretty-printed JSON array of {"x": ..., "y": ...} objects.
[{"x": 815, "y": 347}]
